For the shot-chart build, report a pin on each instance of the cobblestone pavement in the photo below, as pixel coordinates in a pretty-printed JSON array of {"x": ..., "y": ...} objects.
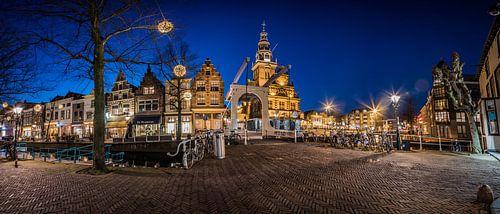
[{"x": 287, "y": 178}]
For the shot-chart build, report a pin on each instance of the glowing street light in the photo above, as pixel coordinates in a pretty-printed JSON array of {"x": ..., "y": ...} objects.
[
  {"x": 165, "y": 26},
  {"x": 328, "y": 106},
  {"x": 17, "y": 112},
  {"x": 395, "y": 104}
]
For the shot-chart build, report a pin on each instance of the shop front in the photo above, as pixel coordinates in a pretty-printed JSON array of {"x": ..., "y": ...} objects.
[
  {"x": 171, "y": 125},
  {"x": 208, "y": 121},
  {"x": 116, "y": 129},
  {"x": 147, "y": 125}
]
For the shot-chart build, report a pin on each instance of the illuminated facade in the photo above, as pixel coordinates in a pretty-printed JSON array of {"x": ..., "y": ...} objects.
[
  {"x": 59, "y": 116},
  {"x": 284, "y": 102},
  {"x": 438, "y": 117},
  {"x": 120, "y": 105},
  {"x": 171, "y": 87},
  {"x": 318, "y": 122},
  {"x": 360, "y": 119},
  {"x": 149, "y": 103},
  {"x": 208, "y": 98}
]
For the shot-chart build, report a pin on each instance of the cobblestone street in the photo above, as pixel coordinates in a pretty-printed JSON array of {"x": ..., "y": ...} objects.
[{"x": 289, "y": 178}]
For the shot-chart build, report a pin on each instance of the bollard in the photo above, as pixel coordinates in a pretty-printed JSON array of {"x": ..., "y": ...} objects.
[
  {"x": 295, "y": 135},
  {"x": 420, "y": 139},
  {"x": 219, "y": 146}
]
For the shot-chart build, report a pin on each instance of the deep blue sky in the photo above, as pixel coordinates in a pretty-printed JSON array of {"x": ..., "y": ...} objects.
[{"x": 343, "y": 50}]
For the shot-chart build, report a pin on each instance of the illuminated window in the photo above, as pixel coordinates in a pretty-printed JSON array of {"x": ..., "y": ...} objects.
[
  {"x": 460, "y": 116},
  {"x": 441, "y": 104},
  {"x": 115, "y": 110},
  {"x": 214, "y": 86},
  {"x": 214, "y": 99},
  {"x": 149, "y": 90},
  {"x": 200, "y": 86},
  {"x": 442, "y": 116},
  {"x": 200, "y": 99},
  {"x": 148, "y": 105},
  {"x": 439, "y": 92},
  {"x": 126, "y": 108}
]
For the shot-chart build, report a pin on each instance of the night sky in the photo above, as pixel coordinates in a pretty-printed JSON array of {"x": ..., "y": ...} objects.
[{"x": 348, "y": 51}]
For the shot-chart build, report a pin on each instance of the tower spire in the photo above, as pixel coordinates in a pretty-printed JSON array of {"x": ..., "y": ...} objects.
[{"x": 264, "y": 26}]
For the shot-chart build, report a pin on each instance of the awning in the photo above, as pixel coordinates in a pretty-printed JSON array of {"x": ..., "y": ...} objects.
[
  {"x": 154, "y": 119},
  {"x": 116, "y": 124}
]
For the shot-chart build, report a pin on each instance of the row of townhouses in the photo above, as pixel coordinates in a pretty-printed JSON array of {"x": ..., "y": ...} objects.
[{"x": 132, "y": 111}]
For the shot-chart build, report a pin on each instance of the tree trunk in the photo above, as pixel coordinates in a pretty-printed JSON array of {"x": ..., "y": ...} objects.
[
  {"x": 179, "y": 110},
  {"x": 476, "y": 145},
  {"x": 98, "y": 66}
]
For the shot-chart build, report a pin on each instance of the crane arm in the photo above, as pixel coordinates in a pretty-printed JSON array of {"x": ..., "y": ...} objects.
[
  {"x": 282, "y": 70},
  {"x": 240, "y": 71}
]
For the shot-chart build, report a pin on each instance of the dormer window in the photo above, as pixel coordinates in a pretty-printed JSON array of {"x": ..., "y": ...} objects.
[{"x": 149, "y": 90}]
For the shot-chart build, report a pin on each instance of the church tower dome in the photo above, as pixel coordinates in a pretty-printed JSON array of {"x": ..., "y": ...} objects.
[{"x": 263, "y": 47}]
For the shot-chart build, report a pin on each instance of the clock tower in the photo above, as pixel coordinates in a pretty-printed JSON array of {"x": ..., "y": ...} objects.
[{"x": 264, "y": 67}]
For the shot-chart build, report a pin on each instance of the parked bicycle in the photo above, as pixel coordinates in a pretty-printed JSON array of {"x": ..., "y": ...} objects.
[{"x": 233, "y": 138}]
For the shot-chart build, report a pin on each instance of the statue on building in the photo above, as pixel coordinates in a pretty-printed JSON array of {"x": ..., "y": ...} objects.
[{"x": 458, "y": 93}]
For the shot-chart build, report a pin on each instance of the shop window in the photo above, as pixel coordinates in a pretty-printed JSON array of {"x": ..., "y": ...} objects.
[{"x": 491, "y": 115}]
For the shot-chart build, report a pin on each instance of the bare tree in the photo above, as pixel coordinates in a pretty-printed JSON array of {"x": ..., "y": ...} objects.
[
  {"x": 18, "y": 75},
  {"x": 459, "y": 94},
  {"x": 94, "y": 35},
  {"x": 177, "y": 52}
]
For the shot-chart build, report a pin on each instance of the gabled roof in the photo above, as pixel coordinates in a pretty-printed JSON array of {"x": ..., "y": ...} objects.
[
  {"x": 121, "y": 76},
  {"x": 70, "y": 94}
]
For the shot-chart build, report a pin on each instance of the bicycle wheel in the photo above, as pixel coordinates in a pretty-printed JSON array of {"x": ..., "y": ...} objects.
[
  {"x": 188, "y": 159},
  {"x": 200, "y": 152}
]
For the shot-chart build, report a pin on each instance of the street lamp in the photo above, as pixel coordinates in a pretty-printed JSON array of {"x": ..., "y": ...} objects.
[
  {"x": 328, "y": 107},
  {"x": 17, "y": 112},
  {"x": 165, "y": 26},
  {"x": 38, "y": 109},
  {"x": 395, "y": 104}
]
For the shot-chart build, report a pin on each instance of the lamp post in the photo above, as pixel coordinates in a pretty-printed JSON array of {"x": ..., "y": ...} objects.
[
  {"x": 38, "y": 109},
  {"x": 17, "y": 114},
  {"x": 395, "y": 104},
  {"x": 179, "y": 72}
]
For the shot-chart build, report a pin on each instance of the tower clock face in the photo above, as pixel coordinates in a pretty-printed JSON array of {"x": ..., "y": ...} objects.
[{"x": 179, "y": 70}]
